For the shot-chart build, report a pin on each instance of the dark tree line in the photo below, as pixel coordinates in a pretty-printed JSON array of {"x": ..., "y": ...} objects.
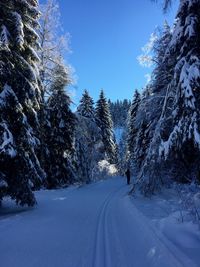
[{"x": 119, "y": 111}]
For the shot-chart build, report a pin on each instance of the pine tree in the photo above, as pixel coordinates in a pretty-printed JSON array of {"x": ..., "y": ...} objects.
[
  {"x": 61, "y": 133},
  {"x": 104, "y": 122},
  {"x": 86, "y": 106},
  {"x": 19, "y": 100}
]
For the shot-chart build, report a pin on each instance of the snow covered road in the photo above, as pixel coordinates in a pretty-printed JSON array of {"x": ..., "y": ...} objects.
[{"x": 91, "y": 226}]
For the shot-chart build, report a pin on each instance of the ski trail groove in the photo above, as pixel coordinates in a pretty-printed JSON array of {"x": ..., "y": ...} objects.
[{"x": 102, "y": 247}]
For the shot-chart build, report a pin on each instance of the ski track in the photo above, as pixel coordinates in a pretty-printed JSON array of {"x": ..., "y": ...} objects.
[
  {"x": 92, "y": 226},
  {"x": 102, "y": 246},
  {"x": 103, "y": 243}
]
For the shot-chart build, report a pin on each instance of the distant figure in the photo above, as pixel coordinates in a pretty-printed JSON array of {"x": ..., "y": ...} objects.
[{"x": 128, "y": 175}]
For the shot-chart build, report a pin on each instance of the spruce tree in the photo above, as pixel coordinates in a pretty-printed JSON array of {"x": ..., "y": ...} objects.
[
  {"x": 19, "y": 100},
  {"x": 104, "y": 122},
  {"x": 119, "y": 112},
  {"x": 180, "y": 144},
  {"x": 61, "y": 131},
  {"x": 174, "y": 148},
  {"x": 142, "y": 125},
  {"x": 89, "y": 148},
  {"x": 86, "y": 106},
  {"x": 88, "y": 140},
  {"x": 147, "y": 148},
  {"x": 132, "y": 130}
]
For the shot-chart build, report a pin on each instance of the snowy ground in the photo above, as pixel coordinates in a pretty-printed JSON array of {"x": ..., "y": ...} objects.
[{"x": 97, "y": 225}]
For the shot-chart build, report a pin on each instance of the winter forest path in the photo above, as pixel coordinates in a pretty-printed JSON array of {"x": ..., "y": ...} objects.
[{"x": 91, "y": 226}]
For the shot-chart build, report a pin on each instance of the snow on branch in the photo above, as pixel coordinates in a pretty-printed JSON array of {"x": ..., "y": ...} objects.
[{"x": 146, "y": 58}]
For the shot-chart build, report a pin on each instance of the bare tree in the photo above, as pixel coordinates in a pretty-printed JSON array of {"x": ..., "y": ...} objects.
[
  {"x": 53, "y": 43},
  {"x": 166, "y": 4}
]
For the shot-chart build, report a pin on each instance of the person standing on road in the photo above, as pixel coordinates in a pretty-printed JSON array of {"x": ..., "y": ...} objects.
[{"x": 128, "y": 175}]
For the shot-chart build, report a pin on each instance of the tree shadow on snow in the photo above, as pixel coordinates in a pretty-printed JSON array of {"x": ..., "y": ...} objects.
[{"x": 10, "y": 209}]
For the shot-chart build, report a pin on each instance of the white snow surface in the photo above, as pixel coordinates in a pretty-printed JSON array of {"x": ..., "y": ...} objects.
[{"x": 97, "y": 225}]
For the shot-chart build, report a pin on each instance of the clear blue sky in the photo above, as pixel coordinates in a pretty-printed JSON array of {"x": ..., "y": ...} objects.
[{"x": 106, "y": 38}]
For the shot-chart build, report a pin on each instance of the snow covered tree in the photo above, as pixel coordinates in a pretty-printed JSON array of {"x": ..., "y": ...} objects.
[
  {"x": 52, "y": 43},
  {"x": 181, "y": 142},
  {"x": 86, "y": 106},
  {"x": 148, "y": 136},
  {"x": 89, "y": 144},
  {"x": 61, "y": 131},
  {"x": 104, "y": 122},
  {"x": 19, "y": 100},
  {"x": 140, "y": 138},
  {"x": 132, "y": 130},
  {"x": 164, "y": 63},
  {"x": 52, "y": 46},
  {"x": 174, "y": 149},
  {"x": 119, "y": 112},
  {"x": 89, "y": 149}
]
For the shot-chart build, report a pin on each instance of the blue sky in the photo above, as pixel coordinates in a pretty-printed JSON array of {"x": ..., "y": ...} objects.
[{"x": 106, "y": 38}]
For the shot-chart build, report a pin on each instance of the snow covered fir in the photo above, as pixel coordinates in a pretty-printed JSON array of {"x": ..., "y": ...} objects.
[{"x": 65, "y": 197}]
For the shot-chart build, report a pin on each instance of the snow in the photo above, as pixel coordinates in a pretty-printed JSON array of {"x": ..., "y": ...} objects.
[
  {"x": 146, "y": 59},
  {"x": 7, "y": 91},
  {"x": 193, "y": 133},
  {"x": 4, "y": 37},
  {"x": 7, "y": 145},
  {"x": 196, "y": 134},
  {"x": 107, "y": 168},
  {"x": 173, "y": 224},
  {"x": 165, "y": 146},
  {"x": 3, "y": 183},
  {"x": 35, "y": 56},
  {"x": 97, "y": 225},
  {"x": 61, "y": 124},
  {"x": 190, "y": 26},
  {"x": 189, "y": 73},
  {"x": 19, "y": 28}
]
